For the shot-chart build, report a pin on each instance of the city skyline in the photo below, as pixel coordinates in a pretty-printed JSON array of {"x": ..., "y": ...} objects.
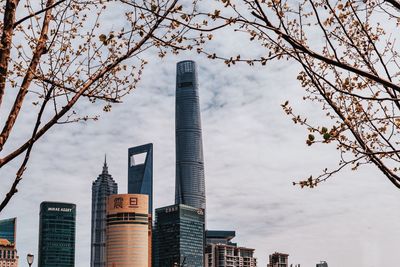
[
  {"x": 291, "y": 215},
  {"x": 295, "y": 150}
]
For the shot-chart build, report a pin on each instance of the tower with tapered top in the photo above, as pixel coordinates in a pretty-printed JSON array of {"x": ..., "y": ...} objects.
[
  {"x": 189, "y": 184},
  {"x": 103, "y": 187}
]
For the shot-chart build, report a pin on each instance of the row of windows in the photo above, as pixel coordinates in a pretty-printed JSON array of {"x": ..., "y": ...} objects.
[{"x": 8, "y": 254}]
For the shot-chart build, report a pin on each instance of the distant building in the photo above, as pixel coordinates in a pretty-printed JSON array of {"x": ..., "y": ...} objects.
[
  {"x": 278, "y": 260},
  {"x": 322, "y": 264},
  {"x": 8, "y": 252},
  {"x": 190, "y": 183},
  {"x": 221, "y": 252},
  {"x": 140, "y": 178},
  {"x": 140, "y": 172},
  {"x": 57, "y": 234},
  {"x": 128, "y": 231},
  {"x": 103, "y": 187},
  {"x": 179, "y": 236},
  {"x": 8, "y": 230},
  {"x": 220, "y": 237}
]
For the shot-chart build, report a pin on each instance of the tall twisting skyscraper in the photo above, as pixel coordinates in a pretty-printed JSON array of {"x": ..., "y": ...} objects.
[
  {"x": 189, "y": 187},
  {"x": 103, "y": 187}
]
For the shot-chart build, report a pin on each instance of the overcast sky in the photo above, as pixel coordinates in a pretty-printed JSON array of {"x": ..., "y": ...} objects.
[{"x": 252, "y": 152}]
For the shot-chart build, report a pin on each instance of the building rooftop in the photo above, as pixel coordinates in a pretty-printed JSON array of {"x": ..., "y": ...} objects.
[
  {"x": 220, "y": 234},
  {"x": 5, "y": 242}
]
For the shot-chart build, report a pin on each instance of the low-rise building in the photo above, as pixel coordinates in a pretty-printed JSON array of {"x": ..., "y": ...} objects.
[
  {"x": 221, "y": 252},
  {"x": 278, "y": 260},
  {"x": 8, "y": 251}
]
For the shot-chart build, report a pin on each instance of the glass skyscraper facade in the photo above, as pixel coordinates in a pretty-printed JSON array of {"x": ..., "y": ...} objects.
[
  {"x": 8, "y": 229},
  {"x": 57, "y": 234},
  {"x": 190, "y": 185},
  {"x": 179, "y": 236},
  {"x": 103, "y": 187},
  {"x": 140, "y": 172},
  {"x": 8, "y": 251}
]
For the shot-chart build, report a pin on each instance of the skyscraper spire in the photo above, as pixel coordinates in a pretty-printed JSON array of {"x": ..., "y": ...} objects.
[
  {"x": 105, "y": 167},
  {"x": 103, "y": 187}
]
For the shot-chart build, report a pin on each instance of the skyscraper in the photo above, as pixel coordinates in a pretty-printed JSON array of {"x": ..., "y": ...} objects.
[
  {"x": 189, "y": 184},
  {"x": 8, "y": 251},
  {"x": 140, "y": 171},
  {"x": 57, "y": 234},
  {"x": 103, "y": 187},
  {"x": 128, "y": 231},
  {"x": 179, "y": 236}
]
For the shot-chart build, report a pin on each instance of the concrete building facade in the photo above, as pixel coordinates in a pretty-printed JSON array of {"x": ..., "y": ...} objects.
[
  {"x": 8, "y": 251},
  {"x": 8, "y": 254},
  {"x": 221, "y": 252},
  {"x": 128, "y": 231}
]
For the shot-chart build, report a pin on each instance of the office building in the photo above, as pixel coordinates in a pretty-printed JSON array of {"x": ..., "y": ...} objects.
[
  {"x": 179, "y": 236},
  {"x": 103, "y": 187},
  {"x": 8, "y": 230},
  {"x": 278, "y": 260},
  {"x": 127, "y": 242},
  {"x": 221, "y": 252},
  {"x": 57, "y": 234},
  {"x": 140, "y": 178},
  {"x": 8, "y": 252},
  {"x": 322, "y": 264},
  {"x": 140, "y": 172},
  {"x": 189, "y": 184}
]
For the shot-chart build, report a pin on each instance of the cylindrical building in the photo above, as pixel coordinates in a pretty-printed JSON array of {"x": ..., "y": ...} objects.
[
  {"x": 190, "y": 184},
  {"x": 128, "y": 232}
]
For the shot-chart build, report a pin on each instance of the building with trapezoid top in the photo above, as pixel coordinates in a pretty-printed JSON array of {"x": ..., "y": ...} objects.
[
  {"x": 102, "y": 188},
  {"x": 140, "y": 171},
  {"x": 189, "y": 184}
]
